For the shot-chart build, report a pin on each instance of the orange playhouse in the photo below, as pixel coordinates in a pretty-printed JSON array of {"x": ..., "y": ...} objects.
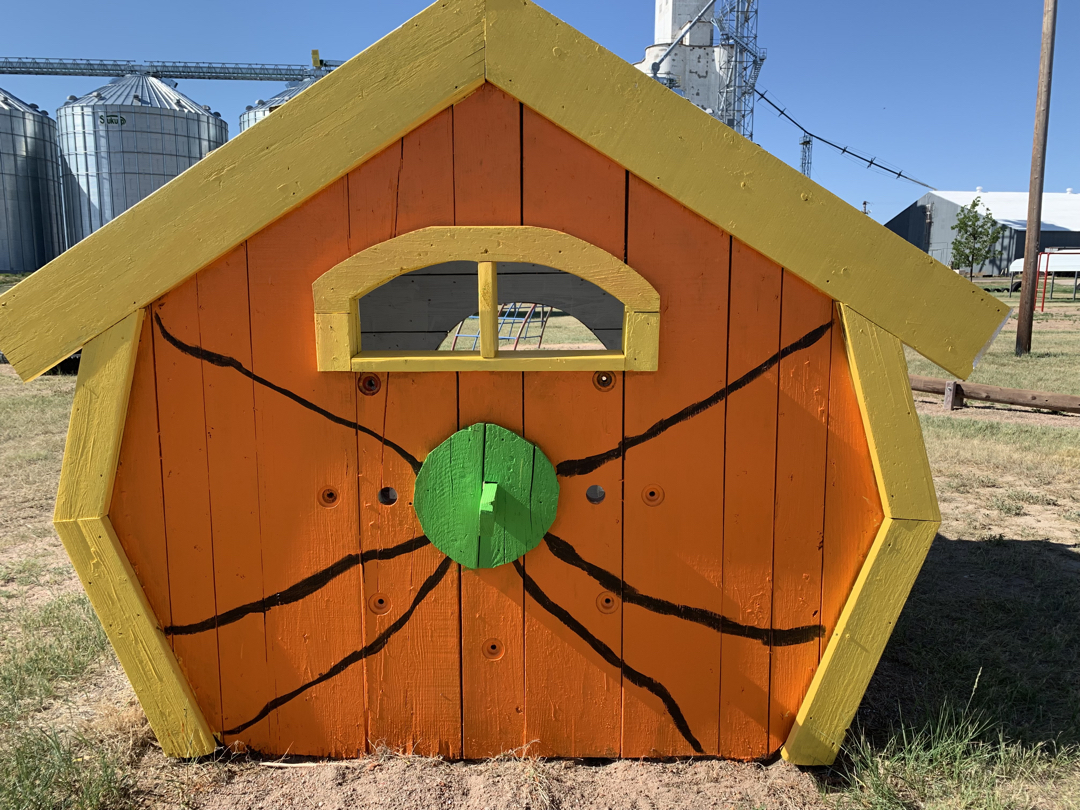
[{"x": 307, "y": 529}]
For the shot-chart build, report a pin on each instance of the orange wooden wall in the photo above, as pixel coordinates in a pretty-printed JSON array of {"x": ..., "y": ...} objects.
[{"x": 311, "y": 618}]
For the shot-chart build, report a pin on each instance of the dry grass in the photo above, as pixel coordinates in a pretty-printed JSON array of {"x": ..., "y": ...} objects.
[{"x": 33, "y": 424}]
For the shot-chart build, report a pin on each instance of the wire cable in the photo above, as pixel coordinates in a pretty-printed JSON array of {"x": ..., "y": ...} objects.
[{"x": 871, "y": 162}]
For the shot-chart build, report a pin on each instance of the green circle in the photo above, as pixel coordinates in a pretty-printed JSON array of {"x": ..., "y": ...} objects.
[{"x": 486, "y": 496}]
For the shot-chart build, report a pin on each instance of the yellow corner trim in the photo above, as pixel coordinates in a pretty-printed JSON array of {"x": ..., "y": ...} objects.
[
  {"x": 673, "y": 145},
  {"x": 853, "y": 652},
  {"x": 879, "y": 371},
  {"x": 898, "y": 455},
  {"x": 337, "y": 322},
  {"x": 86, "y": 482},
  {"x": 96, "y": 426},
  {"x": 426, "y": 65}
]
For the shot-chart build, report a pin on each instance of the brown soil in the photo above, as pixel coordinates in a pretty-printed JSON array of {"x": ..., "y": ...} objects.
[{"x": 404, "y": 783}]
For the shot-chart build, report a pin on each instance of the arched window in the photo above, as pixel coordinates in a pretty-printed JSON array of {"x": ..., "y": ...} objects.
[{"x": 388, "y": 308}]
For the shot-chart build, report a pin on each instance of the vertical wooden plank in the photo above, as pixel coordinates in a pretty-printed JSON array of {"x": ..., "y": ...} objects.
[
  {"x": 373, "y": 191},
  {"x": 570, "y": 187},
  {"x": 493, "y": 689},
  {"x": 487, "y": 159},
  {"x": 853, "y": 511},
  {"x": 414, "y": 683},
  {"x": 673, "y": 549},
  {"x": 137, "y": 511},
  {"x": 487, "y": 191},
  {"x": 749, "y": 485},
  {"x": 301, "y": 453},
  {"x": 186, "y": 491},
  {"x": 801, "y": 439},
  {"x": 426, "y": 185},
  {"x": 573, "y": 696},
  {"x": 225, "y": 328}
]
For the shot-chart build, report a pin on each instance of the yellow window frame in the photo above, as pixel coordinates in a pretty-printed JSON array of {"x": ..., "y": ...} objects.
[{"x": 338, "y": 290}]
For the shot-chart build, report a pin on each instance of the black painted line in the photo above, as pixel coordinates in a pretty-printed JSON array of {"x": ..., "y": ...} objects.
[
  {"x": 224, "y": 361},
  {"x": 582, "y": 466},
  {"x": 355, "y": 657},
  {"x": 635, "y": 677},
  {"x": 722, "y": 624},
  {"x": 301, "y": 590}
]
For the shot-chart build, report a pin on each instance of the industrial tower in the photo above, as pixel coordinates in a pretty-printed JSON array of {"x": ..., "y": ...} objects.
[{"x": 709, "y": 54}]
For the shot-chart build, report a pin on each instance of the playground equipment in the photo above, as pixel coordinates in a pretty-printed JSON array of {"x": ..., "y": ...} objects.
[
  {"x": 309, "y": 531},
  {"x": 516, "y": 324}
]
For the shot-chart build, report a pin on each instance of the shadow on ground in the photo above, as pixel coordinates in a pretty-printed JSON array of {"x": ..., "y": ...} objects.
[{"x": 1003, "y": 613}]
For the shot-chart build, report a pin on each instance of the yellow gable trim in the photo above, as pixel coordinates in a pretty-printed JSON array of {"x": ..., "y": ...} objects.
[{"x": 431, "y": 62}]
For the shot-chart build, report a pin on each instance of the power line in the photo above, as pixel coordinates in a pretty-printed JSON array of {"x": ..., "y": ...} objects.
[{"x": 871, "y": 162}]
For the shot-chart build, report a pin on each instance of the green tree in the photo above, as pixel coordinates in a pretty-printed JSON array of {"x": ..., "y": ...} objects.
[{"x": 978, "y": 237}]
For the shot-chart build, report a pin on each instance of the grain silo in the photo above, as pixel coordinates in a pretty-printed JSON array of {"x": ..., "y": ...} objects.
[
  {"x": 261, "y": 109},
  {"x": 125, "y": 140},
  {"x": 31, "y": 232}
]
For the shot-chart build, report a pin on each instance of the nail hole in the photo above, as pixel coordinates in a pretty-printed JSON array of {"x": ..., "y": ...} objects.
[
  {"x": 379, "y": 603},
  {"x": 595, "y": 493},
  {"x": 492, "y": 649},
  {"x": 607, "y": 602},
  {"x": 653, "y": 496},
  {"x": 604, "y": 380},
  {"x": 387, "y": 496},
  {"x": 369, "y": 384},
  {"x": 328, "y": 497}
]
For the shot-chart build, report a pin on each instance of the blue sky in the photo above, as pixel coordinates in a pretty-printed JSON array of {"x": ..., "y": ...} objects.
[{"x": 943, "y": 90}]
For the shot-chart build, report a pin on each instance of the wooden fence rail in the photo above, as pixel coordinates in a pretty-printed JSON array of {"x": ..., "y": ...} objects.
[{"x": 956, "y": 393}]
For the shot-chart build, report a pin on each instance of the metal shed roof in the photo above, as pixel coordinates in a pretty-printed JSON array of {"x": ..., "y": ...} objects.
[{"x": 1060, "y": 212}]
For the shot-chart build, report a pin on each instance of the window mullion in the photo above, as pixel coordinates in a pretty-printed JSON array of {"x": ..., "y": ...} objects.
[{"x": 489, "y": 309}]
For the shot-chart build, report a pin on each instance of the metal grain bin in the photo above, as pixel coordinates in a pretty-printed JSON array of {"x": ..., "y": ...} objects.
[
  {"x": 255, "y": 114},
  {"x": 125, "y": 140},
  {"x": 31, "y": 232}
]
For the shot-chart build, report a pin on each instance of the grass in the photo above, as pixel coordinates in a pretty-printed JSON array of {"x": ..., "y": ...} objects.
[
  {"x": 33, "y": 424},
  {"x": 955, "y": 761},
  {"x": 49, "y": 641},
  {"x": 44, "y": 646},
  {"x": 1038, "y": 454},
  {"x": 43, "y": 770},
  {"x": 9, "y": 280}
]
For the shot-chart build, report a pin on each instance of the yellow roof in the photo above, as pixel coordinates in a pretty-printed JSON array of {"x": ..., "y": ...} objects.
[{"x": 434, "y": 60}]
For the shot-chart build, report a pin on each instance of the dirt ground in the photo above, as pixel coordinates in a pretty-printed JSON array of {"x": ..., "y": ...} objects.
[{"x": 403, "y": 782}]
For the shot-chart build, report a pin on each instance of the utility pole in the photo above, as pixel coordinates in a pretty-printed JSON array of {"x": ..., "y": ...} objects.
[{"x": 1035, "y": 190}]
